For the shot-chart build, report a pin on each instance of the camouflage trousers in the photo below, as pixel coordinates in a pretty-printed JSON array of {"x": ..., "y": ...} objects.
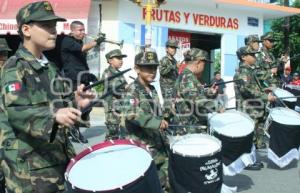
[
  {"x": 258, "y": 138},
  {"x": 112, "y": 122},
  {"x": 168, "y": 106}
]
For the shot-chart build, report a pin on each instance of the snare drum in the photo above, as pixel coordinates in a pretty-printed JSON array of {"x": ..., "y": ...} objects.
[
  {"x": 284, "y": 130},
  {"x": 195, "y": 164},
  {"x": 235, "y": 130},
  {"x": 290, "y": 102},
  {"x": 123, "y": 166}
]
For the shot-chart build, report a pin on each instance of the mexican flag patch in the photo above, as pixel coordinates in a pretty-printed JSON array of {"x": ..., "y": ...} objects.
[{"x": 13, "y": 87}]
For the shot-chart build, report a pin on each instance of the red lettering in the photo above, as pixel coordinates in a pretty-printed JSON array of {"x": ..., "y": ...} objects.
[
  {"x": 201, "y": 21},
  {"x": 206, "y": 20},
  {"x": 222, "y": 22},
  {"x": 66, "y": 26},
  {"x": 159, "y": 15},
  {"x": 235, "y": 23},
  {"x": 212, "y": 21},
  {"x": 177, "y": 17},
  {"x": 171, "y": 17},
  {"x": 196, "y": 18},
  {"x": 229, "y": 23},
  {"x": 186, "y": 17},
  {"x": 166, "y": 15}
]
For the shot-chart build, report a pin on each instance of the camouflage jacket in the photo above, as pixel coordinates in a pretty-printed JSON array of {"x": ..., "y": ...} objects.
[
  {"x": 262, "y": 65},
  {"x": 168, "y": 75},
  {"x": 110, "y": 87},
  {"x": 251, "y": 93},
  {"x": 31, "y": 94},
  {"x": 143, "y": 115},
  {"x": 192, "y": 101}
]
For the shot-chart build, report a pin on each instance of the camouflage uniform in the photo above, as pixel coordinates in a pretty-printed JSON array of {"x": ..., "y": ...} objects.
[
  {"x": 32, "y": 163},
  {"x": 252, "y": 97},
  {"x": 265, "y": 60},
  {"x": 112, "y": 119},
  {"x": 4, "y": 126},
  {"x": 192, "y": 101},
  {"x": 168, "y": 75},
  {"x": 142, "y": 112}
]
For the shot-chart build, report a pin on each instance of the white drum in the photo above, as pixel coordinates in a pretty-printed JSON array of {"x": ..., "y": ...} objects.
[
  {"x": 231, "y": 124},
  {"x": 281, "y": 93},
  {"x": 113, "y": 166},
  {"x": 235, "y": 129},
  {"x": 195, "y": 164},
  {"x": 284, "y": 131}
]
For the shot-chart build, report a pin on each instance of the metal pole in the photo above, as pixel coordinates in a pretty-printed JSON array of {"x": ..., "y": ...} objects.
[{"x": 286, "y": 30}]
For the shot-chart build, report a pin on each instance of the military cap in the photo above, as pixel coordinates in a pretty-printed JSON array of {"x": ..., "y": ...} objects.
[
  {"x": 172, "y": 43},
  {"x": 37, "y": 11},
  {"x": 245, "y": 50},
  {"x": 251, "y": 38},
  {"x": 295, "y": 74},
  {"x": 267, "y": 36},
  {"x": 196, "y": 53},
  {"x": 115, "y": 53},
  {"x": 147, "y": 58},
  {"x": 3, "y": 45}
]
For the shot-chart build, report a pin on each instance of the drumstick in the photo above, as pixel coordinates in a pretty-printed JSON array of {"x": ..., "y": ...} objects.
[
  {"x": 106, "y": 79},
  {"x": 280, "y": 101}
]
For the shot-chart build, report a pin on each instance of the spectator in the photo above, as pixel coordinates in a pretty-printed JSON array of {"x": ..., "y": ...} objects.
[
  {"x": 286, "y": 77},
  {"x": 73, "y": 57},
  {"x": 296, "y": 79},
  {"x": 221, "y": 97}
]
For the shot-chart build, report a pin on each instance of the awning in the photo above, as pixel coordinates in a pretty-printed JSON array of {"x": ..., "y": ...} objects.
[{"x": 69, "y": 9}]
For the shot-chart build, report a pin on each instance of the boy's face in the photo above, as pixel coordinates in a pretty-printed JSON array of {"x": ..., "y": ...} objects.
[
  {"x": 249, "y": 58},
  {"x": 41, "y": 35},
  {"x": 146, "y": 73},
  {"x": 255, "y": 46},
  {"x": 268, "y": 43},
  {"x": 116, "y": 62},
  {"x": 171, "y": 50},
  {"x": 199, "y": 67}
]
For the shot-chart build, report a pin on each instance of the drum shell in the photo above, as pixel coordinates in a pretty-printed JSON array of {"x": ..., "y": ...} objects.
[
  {"x": 187, "y": 174},
  {"x": 295, "y": 92},
  {"x": 283, "y": 137},
  {"x": 234, "y": 147}
]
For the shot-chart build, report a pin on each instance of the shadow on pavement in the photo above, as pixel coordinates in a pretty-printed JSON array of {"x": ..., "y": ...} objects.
[{"x": 244, "y": 182}]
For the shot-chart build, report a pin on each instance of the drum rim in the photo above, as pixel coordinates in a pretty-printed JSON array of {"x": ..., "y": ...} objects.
[
  {"x": 194, "y": 135},
  {"x": 286, "y": 91},
  {"x": 281, "y": 108},
  {"x": 239, "y": 112},
  {"x": 102, "y": 145}
]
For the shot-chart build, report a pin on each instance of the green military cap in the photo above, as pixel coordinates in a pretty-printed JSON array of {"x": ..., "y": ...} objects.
[
  {"x": 267, "y": 36},
  {"x": 3, "y": 45},
  {"x": 37, "y": 11},
  {"x": 115, "y": 53},
  {"x": 172, "y": 43},
  {"x": 251, "y": 38},
  {"x": 196, "y": 53},
  {"x": 148, "y": 58},
  {"x": 245, "y": 50}
]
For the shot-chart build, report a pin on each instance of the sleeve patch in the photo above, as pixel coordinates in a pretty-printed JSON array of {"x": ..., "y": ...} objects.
[{"x": 13, "y": 87}]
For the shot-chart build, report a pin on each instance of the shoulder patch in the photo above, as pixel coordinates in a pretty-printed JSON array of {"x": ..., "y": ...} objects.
[{"x": 13, "y": 87}]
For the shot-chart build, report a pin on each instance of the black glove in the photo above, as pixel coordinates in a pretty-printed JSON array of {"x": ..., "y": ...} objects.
[{"x": 100, "y": 38}]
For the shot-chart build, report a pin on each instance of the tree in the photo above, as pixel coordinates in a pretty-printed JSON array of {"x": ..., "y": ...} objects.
[{"x": 294, "y": 37}]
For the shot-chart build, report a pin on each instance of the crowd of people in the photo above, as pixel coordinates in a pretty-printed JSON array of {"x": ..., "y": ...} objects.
[{"x": 35, "y": 129}]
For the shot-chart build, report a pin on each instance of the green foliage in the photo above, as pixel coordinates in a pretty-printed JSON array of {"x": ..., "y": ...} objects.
[
  {"x": 217, "y": 61},
  {"x": 294, "y": 37}
]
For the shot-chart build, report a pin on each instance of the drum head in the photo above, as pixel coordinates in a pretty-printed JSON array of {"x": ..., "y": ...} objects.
[
  {"x": 196, "y": 145},
  {"x": 284, "y": 93},
  {"x": 232, "y": 124},
  {"x": 109, "y": 166},
  {"x": 285, "y": 116}
]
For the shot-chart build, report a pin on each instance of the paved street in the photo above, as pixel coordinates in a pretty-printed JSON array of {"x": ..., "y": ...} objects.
[{"x": 271, "y": 179}]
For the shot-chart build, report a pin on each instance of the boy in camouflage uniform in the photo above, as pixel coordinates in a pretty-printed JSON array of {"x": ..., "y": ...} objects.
[
  {"x": 143, "y": 118},
  {"x": 32, "y": 93},
  {"x": 253, "y": 42},
  {"x": 253, "y": 97},
  {"x": 115, "y": 60},
  {"x": 4, "y": 126},
  {"x": 168, "y": 70},
  {"x": 192, "y": 101}
]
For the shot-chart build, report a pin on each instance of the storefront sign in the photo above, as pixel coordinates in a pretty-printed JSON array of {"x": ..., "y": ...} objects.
[
  {"x": 197, "y": 19},
  {"x": 184, "y": 40}
]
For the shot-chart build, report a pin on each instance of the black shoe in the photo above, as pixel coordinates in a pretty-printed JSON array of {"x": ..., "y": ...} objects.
[
  {"x": 82, "y": 138},
  {"x": 255, "y": 166}
]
